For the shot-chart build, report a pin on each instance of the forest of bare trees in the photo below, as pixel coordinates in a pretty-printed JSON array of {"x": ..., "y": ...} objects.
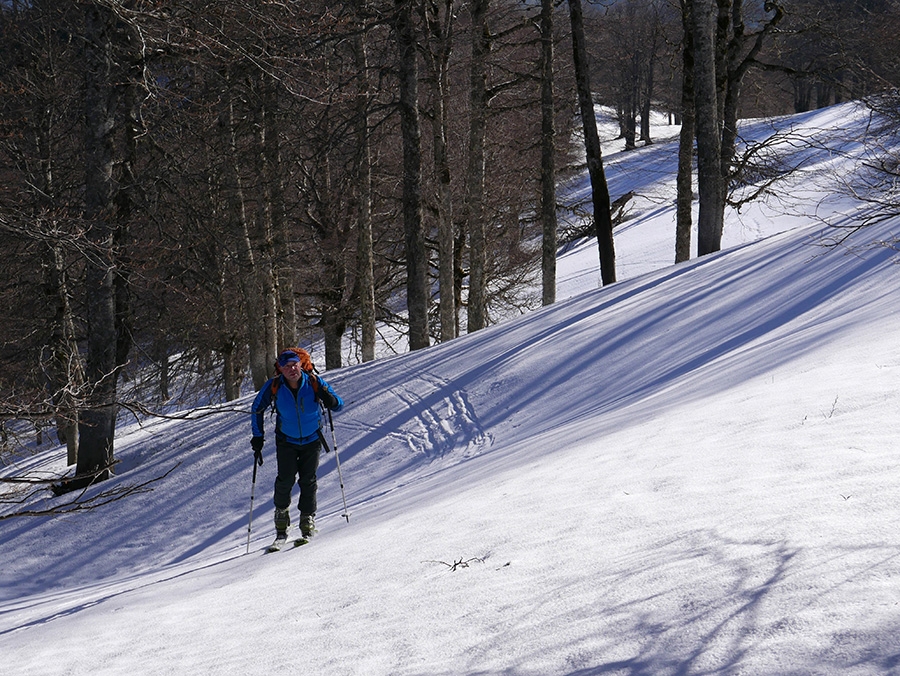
[{"x": 189, "y": 187}]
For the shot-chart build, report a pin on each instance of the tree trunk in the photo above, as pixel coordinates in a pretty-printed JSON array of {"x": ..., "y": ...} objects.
[
  {"x": 416, "y": 253},
  {"x": 65, "y": 375},
  {"x": 333, "y": 325},
  {"x": 475, "y": 226},
  {"x": 631, "y": 102},
  {"x": 230, "y": 371},
  {"x": 548, "y": 157},
  {"x": 459, "y": 269},
  {"x": 260, "y": 366},
  {"x": 365, "y": 259},
  {"x": 63, "y": 367},
  {"x": 439, "y": 29},
  {"x": 710, "y": 182},
  {"x": 160, "y": 352},
  {"x": 738, "y": 59},
  {"x": 721, "y": 62},
  {"x": 231, "y": 376},
  {"x": 647, "y": 91},
  {"x": 599, "y": 188},
  {"x": 277, "y": 227},
  {"x": 97, "y": 423},
  {"x": 130, "y": 83},
  {"x": 730, "y": 38},
  {"x": 684, "y": 179},
  {"x": 263, "y": 240}
]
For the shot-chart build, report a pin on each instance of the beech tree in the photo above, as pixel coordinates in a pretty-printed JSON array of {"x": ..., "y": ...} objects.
[
  {"x": 599, "y": 188},
  {"x": 40, "y": 120},
  {"x": 112, "y": 58},
  {"x": 710, "y": 180},
  {"x": 241, "y": 178},
  {"x": 364, "y": 244},
  {"x": 723, "y": 53},
  {"x": 627, "y": 45},
  {"x": 684, "y": 179},
  {"x": 548, "y": 159},
  {"x": 416, "y": 256},
  {"x": 478, "y": 104},
  {"x": 438, "y": 42}
]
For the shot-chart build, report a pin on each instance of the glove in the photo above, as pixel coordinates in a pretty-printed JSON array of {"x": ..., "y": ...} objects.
[
  {"x": 325, "y": 396},
  {"x": 257, "y": 444}
]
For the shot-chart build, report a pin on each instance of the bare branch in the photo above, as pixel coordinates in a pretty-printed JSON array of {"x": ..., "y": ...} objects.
[{"x": 81, "y": 504}]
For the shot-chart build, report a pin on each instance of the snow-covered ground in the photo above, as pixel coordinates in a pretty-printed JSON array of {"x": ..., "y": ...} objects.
[{"x": 691, "y": 471}]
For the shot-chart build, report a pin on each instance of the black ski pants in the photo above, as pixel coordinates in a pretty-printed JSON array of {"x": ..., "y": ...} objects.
[{"x": 300, "y": 462}]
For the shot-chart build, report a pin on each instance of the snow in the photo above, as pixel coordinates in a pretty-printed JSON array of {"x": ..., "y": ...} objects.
[{"x": 691, "y": 471}]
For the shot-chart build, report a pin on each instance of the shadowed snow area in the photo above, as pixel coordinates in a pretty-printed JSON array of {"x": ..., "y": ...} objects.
[{"x": 691, "y": 471}]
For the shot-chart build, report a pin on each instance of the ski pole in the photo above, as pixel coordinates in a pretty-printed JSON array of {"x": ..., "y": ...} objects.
[
  {"x": 337, "y": 459},
  {"x": 252, "y": 492}
]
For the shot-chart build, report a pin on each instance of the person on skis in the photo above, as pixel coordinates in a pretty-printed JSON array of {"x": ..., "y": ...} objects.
[{"x": 294, "y": 393}]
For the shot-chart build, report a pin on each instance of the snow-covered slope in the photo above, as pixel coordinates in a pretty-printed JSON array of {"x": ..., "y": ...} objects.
[{"x": 691, "y": 471}]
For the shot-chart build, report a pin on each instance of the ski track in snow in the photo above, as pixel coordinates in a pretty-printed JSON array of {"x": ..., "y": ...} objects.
[{"x": 438, "y": 428}]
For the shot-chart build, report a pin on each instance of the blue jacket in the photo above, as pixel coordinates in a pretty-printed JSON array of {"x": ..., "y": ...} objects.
[{"x": 297, "y": 416}]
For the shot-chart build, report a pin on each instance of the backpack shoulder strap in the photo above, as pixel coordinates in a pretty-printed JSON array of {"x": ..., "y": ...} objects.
[{"x": 276, "y": 383}]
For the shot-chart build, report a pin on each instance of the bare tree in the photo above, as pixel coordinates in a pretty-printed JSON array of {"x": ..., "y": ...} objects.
[
  {"x": 364, "y": 246},
  {"x": 416, "y": 254},
  {"x": 261, "y": 340},
  {"x": 684, "y": 178},
  {"x": 438, "y": 21},
  {"x": 723, "y": 54},
  {"x": 37, "y": 105},
  {"x": 710, "y": 181},
  {"x": 599, "y": 187},
  {"x": 478, "y": 103},
  {"x": 548, "y": 159},
  {"x": 628, "y": 46},
  {"x": 104, "y": 37}
]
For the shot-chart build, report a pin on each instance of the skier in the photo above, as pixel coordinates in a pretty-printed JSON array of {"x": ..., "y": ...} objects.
[{"x": 294, "y": 393}]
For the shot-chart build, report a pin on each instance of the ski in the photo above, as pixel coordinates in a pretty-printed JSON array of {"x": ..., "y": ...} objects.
[
  {"x": 281, "y": 543},
  {"x": 276, "y": 546}
]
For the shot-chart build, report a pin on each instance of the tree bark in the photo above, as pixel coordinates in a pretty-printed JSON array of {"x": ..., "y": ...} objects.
[
  {"x": 599, "y": 187},
  {"x": 262, "y": 238},
  {"x": 684, "y": 179},
  {"x": 416, "y": 253},
  {"x": 476, "y": 311},
  {"x": 333, "y": 326},
  {"x": 97, "y": 422},
  {"x": 548, "y": 160},
  {"x": 365, "y": 259},
  {"x": 276, "y": 226},
  {"x": 710, "y": 182},
  {"x": 438, "y": 22},
  {"x": 260, "y": 366},
  {"x": 65, "y": 375}
]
